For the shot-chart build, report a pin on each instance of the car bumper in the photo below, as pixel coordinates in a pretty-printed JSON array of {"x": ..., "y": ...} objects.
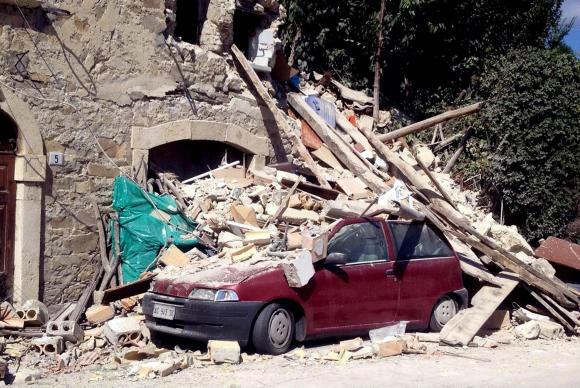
[{"x": 203, "y": 320}]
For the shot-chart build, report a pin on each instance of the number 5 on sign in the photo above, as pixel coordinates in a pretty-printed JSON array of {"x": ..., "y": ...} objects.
[{"x": 55, "y": 159}]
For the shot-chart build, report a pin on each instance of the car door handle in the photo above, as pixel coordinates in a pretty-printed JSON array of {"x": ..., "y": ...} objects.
[{"x": 390, "y": 272}]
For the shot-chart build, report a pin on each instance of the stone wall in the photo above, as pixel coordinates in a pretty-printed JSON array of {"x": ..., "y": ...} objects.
[{"x": 109, "y": 61}]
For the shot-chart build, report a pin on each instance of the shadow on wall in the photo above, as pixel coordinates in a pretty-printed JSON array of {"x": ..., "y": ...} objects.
[{"x": 187, "y": 158}]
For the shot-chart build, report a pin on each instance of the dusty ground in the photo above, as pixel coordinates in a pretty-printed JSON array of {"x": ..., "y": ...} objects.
[{"x": 523, "y": 364}]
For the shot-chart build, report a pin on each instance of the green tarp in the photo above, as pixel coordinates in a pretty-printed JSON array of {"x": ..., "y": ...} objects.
[{"x": 142, "y": 233}]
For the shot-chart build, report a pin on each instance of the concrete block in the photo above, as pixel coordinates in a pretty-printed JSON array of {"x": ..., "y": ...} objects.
[
  {"x": 99, "y": 313},
  {"x": 317, "y": 245},
  {"x": 48, "y": 345},
  {"x": 68, "y": 330},
  {"x": 551, "y": 330},
  {"x": 34, "y": 313},
  {"x": 124, "y": 330},
  {"x": 390, "y": 348},
  {"x": 173, "y": 256},
  {"x": 300, "y": 270},
  {"x": 222, "y": 352}
]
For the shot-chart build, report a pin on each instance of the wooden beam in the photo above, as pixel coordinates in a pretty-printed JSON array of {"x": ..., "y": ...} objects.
[
  {"x": 430, "y": 122},
  {"x": 455, "y": 157},
  {"x": 352, "y": 131},
  {"x": 551, "y": 310},
  {"x": 281, "y": 122},
  {"x": 336, "y": 144},
  {"x": 102, "y": 236}
]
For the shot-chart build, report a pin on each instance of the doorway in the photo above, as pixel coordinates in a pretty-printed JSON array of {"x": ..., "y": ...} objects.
[{"x": 8, "y": 136}]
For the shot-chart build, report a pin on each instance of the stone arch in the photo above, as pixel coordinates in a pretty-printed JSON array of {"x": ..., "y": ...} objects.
[
  {"x": 145, "y": 139},
  {"x": 29, "y": 174}
]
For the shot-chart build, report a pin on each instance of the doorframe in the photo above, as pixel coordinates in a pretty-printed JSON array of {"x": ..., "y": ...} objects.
[{"x": 29, "y": 176}]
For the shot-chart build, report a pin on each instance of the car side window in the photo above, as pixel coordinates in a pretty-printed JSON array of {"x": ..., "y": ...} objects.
[
  {"x": 418, "y": 240},
  {"x": 361, "y": 242}
]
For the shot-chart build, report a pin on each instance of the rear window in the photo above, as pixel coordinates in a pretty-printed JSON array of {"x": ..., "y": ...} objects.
[{"x": 418, "y": 240}]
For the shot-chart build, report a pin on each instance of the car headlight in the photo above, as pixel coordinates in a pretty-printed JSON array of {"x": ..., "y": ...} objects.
[{"x": 213, "y": 295}]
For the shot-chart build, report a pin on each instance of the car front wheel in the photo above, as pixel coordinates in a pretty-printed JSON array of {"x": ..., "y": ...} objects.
[
  {"x": 274, "y": 330},
  {"x": 445, "y": 309}
]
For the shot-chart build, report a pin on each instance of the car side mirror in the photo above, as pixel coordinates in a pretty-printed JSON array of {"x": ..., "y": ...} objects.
[{"x": 335, "y": 258}]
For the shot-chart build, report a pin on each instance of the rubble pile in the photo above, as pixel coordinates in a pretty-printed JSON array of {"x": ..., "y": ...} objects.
[{"x": 283, "y": 215}]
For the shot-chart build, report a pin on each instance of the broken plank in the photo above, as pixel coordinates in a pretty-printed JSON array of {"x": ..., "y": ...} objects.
[
  {"x": 336, "y": 144},
  {"x": 325, "y": 155},
  {"x": 127, "y": 290},
  {"x": 430, "y": 122},
  {"x": 281, "y": 122},
  {"x": 310, "y": 188},
  {"x": 461, "y": 329}
]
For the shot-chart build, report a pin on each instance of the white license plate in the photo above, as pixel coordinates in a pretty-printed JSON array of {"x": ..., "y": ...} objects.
[{"x": 163, "y": 311}]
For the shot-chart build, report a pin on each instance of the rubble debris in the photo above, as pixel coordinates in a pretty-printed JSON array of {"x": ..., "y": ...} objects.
[
  {"x": 299, "y": 270},
  {"x": 529, "y": 330},
  {"x": 174, "y": 256},
  {"x": 390, "y": 346},
  {"x": 99, "y": 313},
  {"x": 222, "y": 352}
]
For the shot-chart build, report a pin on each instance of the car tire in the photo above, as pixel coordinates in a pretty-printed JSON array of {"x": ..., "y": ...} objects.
[
  {"x": 445, "y": 309},
  {"x": 273, "y": 330}
]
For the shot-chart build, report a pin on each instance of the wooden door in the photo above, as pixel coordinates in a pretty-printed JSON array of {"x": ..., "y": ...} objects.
[{"x": 7, "y": 206}]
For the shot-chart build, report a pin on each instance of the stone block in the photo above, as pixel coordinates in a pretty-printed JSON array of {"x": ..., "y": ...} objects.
[
  {"x": 222, "y": 352},
  {"x": 551, "y": 330},
  {"x": 68, "y": 330},
  {"x": 48, "y": 345},
  {"x": 350, "y": 345},
  {"x": 529, "y": 330},
  {"x": 123, "y": 330},
  {"x": 99, "y": 313},
  {"x": 300, "y": 270},
  {"x": 101, "y": 170}
]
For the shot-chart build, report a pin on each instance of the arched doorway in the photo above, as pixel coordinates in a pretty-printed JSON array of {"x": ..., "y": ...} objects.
[{"x": 8, "y": 145}]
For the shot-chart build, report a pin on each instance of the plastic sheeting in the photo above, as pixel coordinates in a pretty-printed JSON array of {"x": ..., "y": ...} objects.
[{"x": 143, "y": 230}]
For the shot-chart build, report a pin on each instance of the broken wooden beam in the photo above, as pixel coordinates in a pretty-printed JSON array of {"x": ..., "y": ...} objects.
[
  {"x": 461, "y": 329},
  {"x": 430, "y": 122},
  {"x": 455, "y": 157},
  {"x": 102, "y": 236},
  {"x": 127, "y": 290},
  {"x": 336, "y": 144},
  {"x": 281, "y": 122}
]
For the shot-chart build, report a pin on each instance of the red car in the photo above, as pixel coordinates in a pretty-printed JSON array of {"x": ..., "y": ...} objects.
[{"x": 376, "y": 273}]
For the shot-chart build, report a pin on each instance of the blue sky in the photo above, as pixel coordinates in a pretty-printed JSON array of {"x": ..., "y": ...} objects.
[{"x": 570, "y": 9}]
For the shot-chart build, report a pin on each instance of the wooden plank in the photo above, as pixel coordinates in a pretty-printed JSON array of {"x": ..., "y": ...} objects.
[
  {"x": 352, "y": 131},
  {"x": 566, "y": 313},
  {"x": 102, "y": 236},
  {"x": 325, "y": 155},
  {"x": 430, "y": 122},
  {"x": 86, "y": 296},
  {"x": 461, "y": 329},
  {"x": 281, "y": 122},
  {"x": 116, "y": 259},
  {"x": 336, "y": 144},
  {"x": 310, "y": 188},
  {"x": 550, "y": 309}
]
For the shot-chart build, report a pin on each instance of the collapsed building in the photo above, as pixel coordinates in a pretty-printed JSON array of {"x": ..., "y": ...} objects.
[{"x": 148, "y": 83}]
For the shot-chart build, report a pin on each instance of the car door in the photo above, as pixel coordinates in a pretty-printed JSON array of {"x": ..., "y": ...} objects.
[
  {"x": 423, "y": 262},
  {"x": 363, "y": 293}
]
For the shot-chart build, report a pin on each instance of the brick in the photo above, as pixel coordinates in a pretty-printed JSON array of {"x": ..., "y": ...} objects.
[
  {"x": 123, "y": 330},
  {"x": 317, "y": 245},
  {"x": 99, "y": 313},
  {"x": 300, "y": 270},
  {"x": 173, "y": 256},
  {"x": 221, "y": 352},
  {"x": 389, "y": 348},
  {"x": 48, "y": 345},
  {"x": 68, "y": 330}
]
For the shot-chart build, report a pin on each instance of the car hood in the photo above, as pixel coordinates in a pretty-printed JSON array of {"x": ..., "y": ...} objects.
[{"x": 182, "y": 285}]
